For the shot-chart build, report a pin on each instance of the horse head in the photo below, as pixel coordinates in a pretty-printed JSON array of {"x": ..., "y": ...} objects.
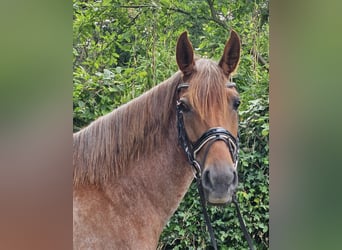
[{"x": 207, "y": 104}]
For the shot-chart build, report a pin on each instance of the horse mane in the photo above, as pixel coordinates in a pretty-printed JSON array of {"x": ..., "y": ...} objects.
[{"x": 107, "y": 145}]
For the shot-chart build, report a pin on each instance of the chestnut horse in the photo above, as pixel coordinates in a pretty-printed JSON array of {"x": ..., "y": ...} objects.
[{"x": 130, "y": 168}]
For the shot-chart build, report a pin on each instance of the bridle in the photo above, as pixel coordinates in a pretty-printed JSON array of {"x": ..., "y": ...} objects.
[
  {"x": 213, "y": 134},
  {"x": 192, "y": 149}
]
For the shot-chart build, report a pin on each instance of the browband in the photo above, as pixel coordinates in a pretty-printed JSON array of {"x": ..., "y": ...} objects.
[{"x": 186, "y": 85}]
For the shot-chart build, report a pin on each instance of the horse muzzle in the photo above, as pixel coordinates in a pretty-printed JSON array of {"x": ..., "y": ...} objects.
[{"x": 219, "y": 183}]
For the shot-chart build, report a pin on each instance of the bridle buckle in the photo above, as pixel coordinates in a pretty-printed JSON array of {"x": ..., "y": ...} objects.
[{"x": 197, "y": 171}]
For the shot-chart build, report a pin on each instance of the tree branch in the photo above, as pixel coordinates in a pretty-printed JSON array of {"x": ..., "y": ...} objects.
[
  {"x": 213, "y": 17},
  {"x": 136, "y": 6},
  {"x": 216, "y": 19},
  {"x": 260, "y": 59}
]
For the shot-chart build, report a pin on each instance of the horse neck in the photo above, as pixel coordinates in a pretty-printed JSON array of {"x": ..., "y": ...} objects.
[
  {"x": 156, "y": 182},
  {"x": 169, "y": 176},
  {"x": 155, "y": 179}
]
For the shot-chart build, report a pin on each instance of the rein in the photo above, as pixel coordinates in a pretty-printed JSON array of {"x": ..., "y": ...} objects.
[{"x": 191, "y": 150}]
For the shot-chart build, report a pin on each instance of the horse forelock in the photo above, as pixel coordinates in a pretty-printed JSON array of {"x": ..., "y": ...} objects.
[
  {"x": 108, "y": 145},
  {"x": 207, "y": 89}
]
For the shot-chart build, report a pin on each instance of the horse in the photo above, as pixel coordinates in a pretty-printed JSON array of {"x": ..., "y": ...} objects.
[{"x": 133, "y": 166}]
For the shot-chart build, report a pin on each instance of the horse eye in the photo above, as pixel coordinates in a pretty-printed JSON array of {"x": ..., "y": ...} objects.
[
  {"x": 183, "y": 106},
  {"x": 236, "y": 104}
]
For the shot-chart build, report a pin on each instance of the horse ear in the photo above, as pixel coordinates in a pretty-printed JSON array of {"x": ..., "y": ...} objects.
[
  {"x": 185, "y": 54},
  {"x": 231, "y": 54}
]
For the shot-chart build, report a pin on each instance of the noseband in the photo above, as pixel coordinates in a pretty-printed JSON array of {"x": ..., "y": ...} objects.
[{"x": 213, "y": 134}]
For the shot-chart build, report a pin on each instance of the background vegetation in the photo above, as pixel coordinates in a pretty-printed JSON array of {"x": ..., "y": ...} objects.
[{"x": 123, "y": 48}]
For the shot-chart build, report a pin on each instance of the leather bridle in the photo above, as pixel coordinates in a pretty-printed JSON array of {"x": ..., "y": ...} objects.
[
  {"x": 213, "y": 134},
  {"x": 192, "y": 149}
]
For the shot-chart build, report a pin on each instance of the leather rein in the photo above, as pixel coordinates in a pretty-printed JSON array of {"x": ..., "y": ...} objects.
[{"x": 191, "y": 150}]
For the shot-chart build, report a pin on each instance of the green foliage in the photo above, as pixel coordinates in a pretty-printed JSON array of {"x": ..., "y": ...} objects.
[{"x": 123, "y": 48}]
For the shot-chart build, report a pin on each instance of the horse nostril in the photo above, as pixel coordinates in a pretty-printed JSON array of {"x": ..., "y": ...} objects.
[
  {"x": 212, "y": 179},
  {"x": 206, "y": 180},
  {"x": 235, "y": 178}
]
